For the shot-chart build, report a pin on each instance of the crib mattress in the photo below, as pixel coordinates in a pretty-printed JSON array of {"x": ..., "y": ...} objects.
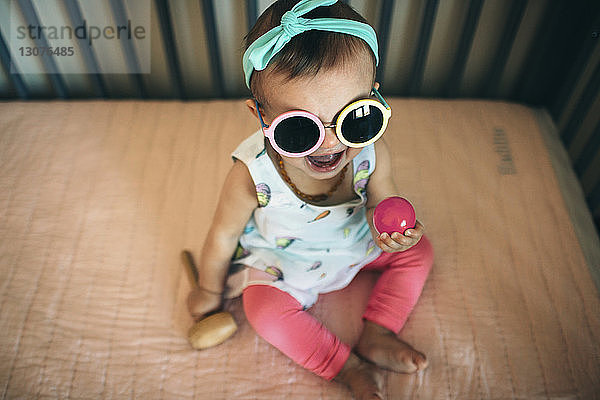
[{"x": 98, "y": 198}]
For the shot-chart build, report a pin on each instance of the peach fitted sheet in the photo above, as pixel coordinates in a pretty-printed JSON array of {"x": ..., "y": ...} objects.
[{"x": 98, "y": 198}]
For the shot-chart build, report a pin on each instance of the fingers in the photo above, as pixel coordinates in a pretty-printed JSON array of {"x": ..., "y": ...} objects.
[
  {"x": 382, "y": 241},
  {"x": 200, "y": 303},
  {"x": 195, "y": 307},
  {"x": 415, "y": 232},
  {"x": 395, "y": 242},
  {"x": 399, "y": 242}
]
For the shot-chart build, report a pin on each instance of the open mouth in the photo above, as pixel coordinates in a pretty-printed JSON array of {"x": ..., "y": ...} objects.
[{"x": 326, "y": 162}]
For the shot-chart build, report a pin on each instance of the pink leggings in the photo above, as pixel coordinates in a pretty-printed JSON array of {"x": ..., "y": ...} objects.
[{"x": 281, "y": 320}]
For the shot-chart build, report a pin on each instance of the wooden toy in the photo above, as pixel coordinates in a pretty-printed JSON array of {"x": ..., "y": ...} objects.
[{"x": 213, "y": 329}]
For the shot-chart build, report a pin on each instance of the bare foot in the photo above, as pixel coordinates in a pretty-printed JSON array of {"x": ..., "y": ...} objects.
[
  {"x": 382, "y": 346},
  {"x": 364, "y": 379}
]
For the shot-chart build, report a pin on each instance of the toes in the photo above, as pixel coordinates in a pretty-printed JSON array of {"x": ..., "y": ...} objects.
[
  {"x": 376, "y": 383},
  {"x": 388, "y": 351},
  {"x": 410, "y": 361},
  {"x": 407, "y": 364},
  {"x": 421, "y": 362},
  {"x": 373, "y": 396},
  {"x": 364, "y": 380}
]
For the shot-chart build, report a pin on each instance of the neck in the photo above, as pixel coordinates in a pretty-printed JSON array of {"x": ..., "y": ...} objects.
[{"x": 316, "y": 193}]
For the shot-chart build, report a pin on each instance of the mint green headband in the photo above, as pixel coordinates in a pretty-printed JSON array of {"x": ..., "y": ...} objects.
[{"x": 263, "y": 49}]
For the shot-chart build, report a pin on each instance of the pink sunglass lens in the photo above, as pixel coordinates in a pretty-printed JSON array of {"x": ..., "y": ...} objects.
[{"x": 296, "y": 134}]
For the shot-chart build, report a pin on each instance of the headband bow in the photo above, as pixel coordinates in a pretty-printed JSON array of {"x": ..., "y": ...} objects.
[{"x": 262, "y": 50}]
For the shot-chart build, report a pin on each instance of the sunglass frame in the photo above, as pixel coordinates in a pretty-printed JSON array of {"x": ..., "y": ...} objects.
[{"x": 381, "y": 104}]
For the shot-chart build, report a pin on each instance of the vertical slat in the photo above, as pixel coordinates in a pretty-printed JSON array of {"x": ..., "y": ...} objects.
[
  {"x": 517, "y": 10},
  {"x": 536, "y": 79},
  {"x": 52, "y": 71},
  {"x": 213, "y": 46},
  {"x": 87, "y": 52},
  {"x": 577, "y": 69},
  {"x": 164, "y": 16},
  {"x": 230, "y": 22},
  {"x": 383, "y": 33},
  {"x": 251, "y": 12},
  {"x": 582, "y": 108},
  {"x": 14, "y": 75},
  {"x": 593, "y": 200},
  {"x": 465, "y": 43},
  {"x": 418, "y": 68},
  {"x": 129, "y": 53},
  {"x": 589, "y": 152}
]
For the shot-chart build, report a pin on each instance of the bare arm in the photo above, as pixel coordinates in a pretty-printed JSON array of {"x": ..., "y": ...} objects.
[
  {"x": 237, "y": 201},
  {"x": 382, "y": 185}
]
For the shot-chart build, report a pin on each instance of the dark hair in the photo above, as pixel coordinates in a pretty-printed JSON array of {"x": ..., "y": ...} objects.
[{"x": 309, "y": 52}]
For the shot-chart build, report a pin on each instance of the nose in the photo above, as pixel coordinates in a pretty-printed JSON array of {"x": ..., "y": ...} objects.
[{"x": 331, "y": 140}]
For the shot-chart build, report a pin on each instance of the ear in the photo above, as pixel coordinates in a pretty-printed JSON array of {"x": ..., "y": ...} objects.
[
  {"x": 376, "y": 85},
  {"x": 252, "y": 107}
]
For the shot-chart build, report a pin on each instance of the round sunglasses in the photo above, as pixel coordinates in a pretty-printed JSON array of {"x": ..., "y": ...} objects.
[{"x": 298, "y": 133}]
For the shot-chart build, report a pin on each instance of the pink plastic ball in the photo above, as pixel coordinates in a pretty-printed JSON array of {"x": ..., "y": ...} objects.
[{"x": 394, "y": 214}]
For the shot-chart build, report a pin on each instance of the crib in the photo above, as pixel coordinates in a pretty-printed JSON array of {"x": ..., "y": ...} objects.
[{"x": 99, "y": 196}]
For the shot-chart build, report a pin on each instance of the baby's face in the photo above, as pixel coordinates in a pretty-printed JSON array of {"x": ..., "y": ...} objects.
[{"x": 324, "y": 95}]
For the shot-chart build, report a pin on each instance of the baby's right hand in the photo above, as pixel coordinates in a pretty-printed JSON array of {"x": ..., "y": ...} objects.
[{"x": 200, "y": 302}]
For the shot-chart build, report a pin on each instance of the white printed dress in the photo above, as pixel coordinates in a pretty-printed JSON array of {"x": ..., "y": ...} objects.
[{"x": 307, "y": 249}]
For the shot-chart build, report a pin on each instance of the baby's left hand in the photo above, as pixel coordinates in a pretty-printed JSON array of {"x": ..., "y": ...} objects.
[{"x": 399, "y": 242}]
